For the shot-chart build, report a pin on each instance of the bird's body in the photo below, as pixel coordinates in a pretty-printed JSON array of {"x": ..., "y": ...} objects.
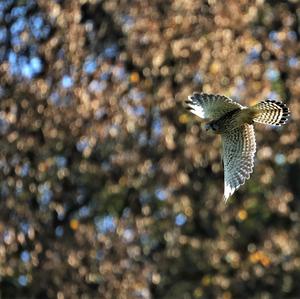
[
  {"x": 235, "y": 124},
  {"x": 232, "y": 120}
]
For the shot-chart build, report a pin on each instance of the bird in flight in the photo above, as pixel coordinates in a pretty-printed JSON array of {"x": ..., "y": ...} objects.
[{"x": 234, "y": 123}]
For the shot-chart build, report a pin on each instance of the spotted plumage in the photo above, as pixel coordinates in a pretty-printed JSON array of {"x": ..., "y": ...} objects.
[{"x": 235, "y": 124}]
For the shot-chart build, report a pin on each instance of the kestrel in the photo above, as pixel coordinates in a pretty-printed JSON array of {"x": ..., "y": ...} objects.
[{"x": 234, "y": 123}]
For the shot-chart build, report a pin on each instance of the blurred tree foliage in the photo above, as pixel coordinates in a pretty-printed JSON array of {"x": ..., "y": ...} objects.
[{"x": 109, "y": 189}]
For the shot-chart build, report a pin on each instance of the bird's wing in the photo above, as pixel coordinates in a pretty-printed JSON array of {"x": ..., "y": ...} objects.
[
  {"x": 210, "y": 105},
  {"x": 239, "y": 148}
]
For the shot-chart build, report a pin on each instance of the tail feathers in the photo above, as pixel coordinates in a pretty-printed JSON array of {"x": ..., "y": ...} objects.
[{"x": 271, "y": 112}]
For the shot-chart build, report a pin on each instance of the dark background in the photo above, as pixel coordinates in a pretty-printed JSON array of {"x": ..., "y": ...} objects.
[{"x": 109, "y": 188}]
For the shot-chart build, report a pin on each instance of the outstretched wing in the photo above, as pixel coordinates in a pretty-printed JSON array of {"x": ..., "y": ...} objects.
[
  {"x": 210, "y": 105},
  {"x": 239, "y": 148}
]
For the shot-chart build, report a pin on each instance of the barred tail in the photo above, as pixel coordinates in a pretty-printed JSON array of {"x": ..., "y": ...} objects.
[{"x": 271, "y": 112}]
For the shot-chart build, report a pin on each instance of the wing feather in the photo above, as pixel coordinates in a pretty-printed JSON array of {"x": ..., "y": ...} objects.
[
  {"x": 210, "y": 105},
  {"x": 239, "y": 148}
]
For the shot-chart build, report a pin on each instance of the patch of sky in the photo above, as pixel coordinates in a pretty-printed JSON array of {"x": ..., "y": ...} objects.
[
  {"x": 67, "y": 81},
  {"x": 7, "y": 237},
  {"x": 280, "y": 159},
  {"x": 5, "y": 4},
  {"x": 145, "y": 197},
  {"x": 136, "y": 95},
  {"x": 4, "y": 190},
  {"x": 115, "y": 129},
  {"x": 2, "y": 91},
  {"x": 128, "y": 235},
  {"x": 152, "y": 170},
  {"x": 239, "y": 88},
  {"x": 105, "y": 224},
  {"x": 180, "y": 219},
  {"x": 39, "y": 29},
  {"x": 90, "y": 65},
  {"x": 25, "y": 256},
  {"x": 66, "y": 100},
  {"x": 272, "y": 74},
  {"x": 2, "y": 54},
  {"x": 123, "y": 103},
  {"x": 105, "y": 76},
  {"x": 36, "y": 64},
  {"x": 273, "y": 36},
  {"x": 61, "y": 214},
  {"x": 161, "y": 194},
  {"x": 30, "y": 68},
  {"x": 36, "y": 22},
  {"x": 111, "y": 51},
  {"x": 22, "y": 280},
  {"x": 33, "y": 50},
  {"x": 138, "y": 111},
  {"x": 61, "y": 101},
  {"x": 99, "y": 113},
  {"x": 12, "y": 58},
  {"x": 3, "y": 34},
  {"x": 119, "y": 73},
  {"x": 3, "y": 164},
  {"x": 18, "y": 26},
  {"x": 15, "y": 160},
  {"x": 198, "y": 78},
  {"x": 89, "y": 27},
  {"x": 105, "y": 166},
  {"x": 100, "y": 254},
  {"x": 293, "y": 62},
  {"x": 162, "y": 213},
  {"x": 44, "y": 33},
  {"x": 145, "y": 239},
  {"x": 126, "y": 213},
  {"x": 253, "y": 55},
  {"x": 26, "y": 71},
  {"x": 54, "y": 98},
  {"x": 22, "y": 60},
  {"x": 24, "y": 226},
  {"x": 82, "y": 144},
  {"x": 273, "y": 95},
  {"x": 141, "y": 293},
  {"x": 61, "y": 54},
  {"x": 142, "y": 139},
  {"x": 59, "y": 231},
  {"x": 30, "y": 3},
  {"x": 16, "y": 41},
  {"x": 60, "y": 161},
  {"x": 157, "y": 127},
  {"x": 19, "y": 189},
  {"x": 96, "y": 86},
  {"x": 7, "y": 18},
  {"x": 292, "y": 35},
  {"x": 45, "y": 193},
  {"x": 84, "y": 212},
  {"x": 127, "y": 21},
  {"x": 18, "y": 11},
  {"x": 80, "y": 195},
  {"x": 4, "y": 124}
]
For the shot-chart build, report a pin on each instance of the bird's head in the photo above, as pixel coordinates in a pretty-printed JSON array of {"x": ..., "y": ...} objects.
[{"x": 211, "y": 127}]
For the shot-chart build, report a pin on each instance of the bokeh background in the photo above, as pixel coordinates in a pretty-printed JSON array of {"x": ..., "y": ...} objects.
[{"x": 109, "y": 188}]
